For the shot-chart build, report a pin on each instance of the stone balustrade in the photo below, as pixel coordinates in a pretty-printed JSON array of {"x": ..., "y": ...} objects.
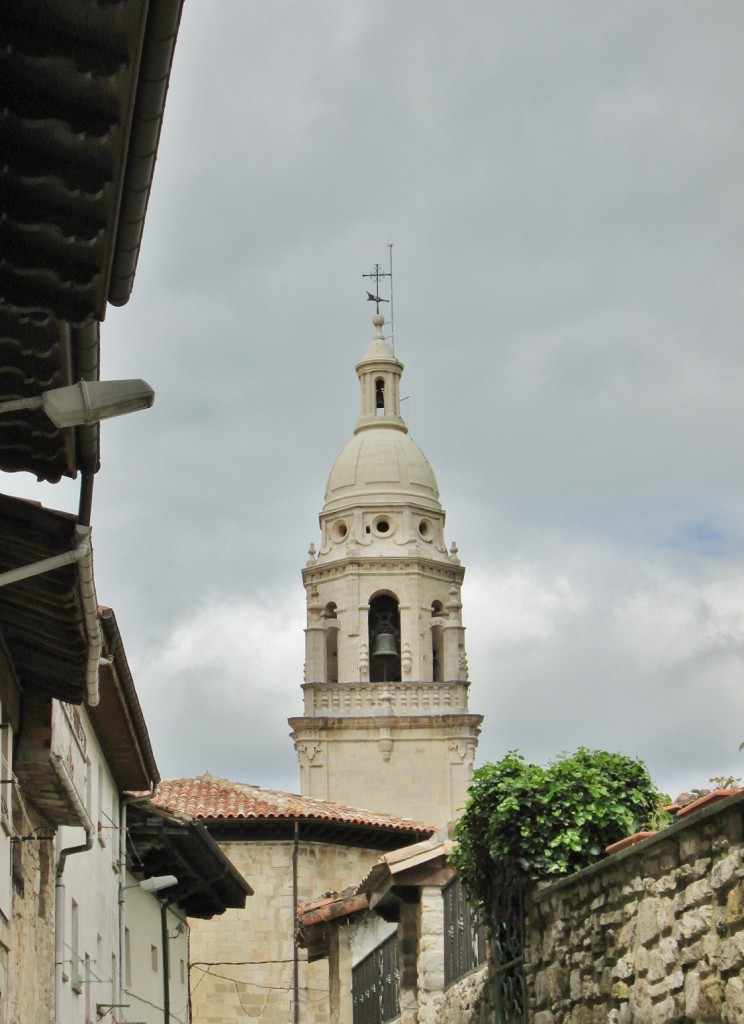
[{"x": 381, "y": 699}]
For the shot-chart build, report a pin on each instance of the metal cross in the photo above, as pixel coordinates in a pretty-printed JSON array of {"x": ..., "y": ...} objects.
[{"x": 377, "y": 273}]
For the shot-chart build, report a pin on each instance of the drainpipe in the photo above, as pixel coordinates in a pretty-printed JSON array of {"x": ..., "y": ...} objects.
[
  {"x": 82, "y": 553},
  {"x": 59, "y": 887},
  {"x": 295, "y": 961},
  {"x": 165, "y": 907}
]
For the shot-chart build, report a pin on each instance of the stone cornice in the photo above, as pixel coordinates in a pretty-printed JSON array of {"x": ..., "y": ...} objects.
[
  {"x": 398, "y": 566},
  {"x": 312, "y": 728}
]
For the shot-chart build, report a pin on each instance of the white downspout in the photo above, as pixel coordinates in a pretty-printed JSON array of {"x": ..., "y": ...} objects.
[
  {"x": 82, "y": 553},
  {"x": 59, "y": 886}
]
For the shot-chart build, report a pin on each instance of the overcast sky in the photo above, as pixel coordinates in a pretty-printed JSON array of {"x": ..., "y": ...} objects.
[{"x": 562, "y": 182}]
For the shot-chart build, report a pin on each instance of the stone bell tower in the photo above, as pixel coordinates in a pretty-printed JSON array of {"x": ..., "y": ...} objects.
[{"x": 386, "y": 724}]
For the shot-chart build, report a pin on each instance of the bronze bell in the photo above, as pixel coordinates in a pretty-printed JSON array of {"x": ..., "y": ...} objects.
[{"x": 384, "y": 646}]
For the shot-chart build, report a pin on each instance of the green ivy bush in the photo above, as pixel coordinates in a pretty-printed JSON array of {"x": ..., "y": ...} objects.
[{"x": 530, "y": 823}]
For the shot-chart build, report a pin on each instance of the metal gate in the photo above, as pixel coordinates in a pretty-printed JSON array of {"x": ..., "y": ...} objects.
[
  {"x": 374, "y": 984},
  {"x": 464, "y": 933},
  {"x": 507, "y": 922}
]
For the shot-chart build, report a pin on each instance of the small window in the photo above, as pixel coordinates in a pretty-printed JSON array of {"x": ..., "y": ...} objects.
[
  {"x": 383, "y": 526},
  {"x": 380, "y": 397},
  {"x": 77, "y": 981},
  {"x": 339, "y": 530},
  {"x": 154, "y": 957}
]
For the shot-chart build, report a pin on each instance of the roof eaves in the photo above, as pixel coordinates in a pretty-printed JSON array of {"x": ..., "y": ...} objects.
[
  {"x": 130, "y": 718},
  {"x": 163, "y": 21}
]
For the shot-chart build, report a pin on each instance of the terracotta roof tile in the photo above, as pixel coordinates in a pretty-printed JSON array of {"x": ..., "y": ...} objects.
[
  {"x": 706, "y": 798},
  {"x": 206, "y": 797},
  {"x": 329, "y": 908}
]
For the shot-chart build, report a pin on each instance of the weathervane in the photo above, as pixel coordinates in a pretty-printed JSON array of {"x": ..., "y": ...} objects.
[{"x": 377, "y": 273}]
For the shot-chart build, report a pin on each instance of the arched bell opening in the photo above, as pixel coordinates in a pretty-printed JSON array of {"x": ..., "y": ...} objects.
[
  {"x": 437, "y": 640},
  {"x": 379, "y": 397},
  {"x": 331, "y": 636},
  {"x": 384, "y": 639}
]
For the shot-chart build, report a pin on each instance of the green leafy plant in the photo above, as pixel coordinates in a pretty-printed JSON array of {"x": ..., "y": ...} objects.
[{"x": 532, "y": 823}]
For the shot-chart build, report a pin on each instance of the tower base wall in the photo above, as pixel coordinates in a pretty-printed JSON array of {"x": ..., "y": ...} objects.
[{"x": 415, "y": 766}]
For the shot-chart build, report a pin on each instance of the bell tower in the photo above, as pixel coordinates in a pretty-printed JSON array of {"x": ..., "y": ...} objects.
[{"x": 386, "y": 724}]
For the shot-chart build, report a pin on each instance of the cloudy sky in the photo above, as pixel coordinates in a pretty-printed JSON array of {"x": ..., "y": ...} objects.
[{"x": 562, "y": 183}]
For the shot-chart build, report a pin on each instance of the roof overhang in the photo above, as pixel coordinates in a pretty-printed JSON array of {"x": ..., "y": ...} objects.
[
  {"x": 42, "y": 620},
  {"x": 84, "y": 87},
  {"x": 118, "y": 719},
  {"x": 160, "y": 843}
]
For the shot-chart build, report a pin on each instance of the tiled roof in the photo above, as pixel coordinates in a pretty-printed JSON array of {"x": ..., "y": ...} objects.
[
  {"x": 392, "y": 865},
  {"x": 329, "y": 908},
  {"x": 207, "y": 798},
  {"x": 84, "y": 92}
]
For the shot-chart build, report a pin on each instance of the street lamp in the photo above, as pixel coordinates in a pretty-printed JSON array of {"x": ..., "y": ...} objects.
[
  {"x": 87, "y": 401},
  {"x": 154, "y": 884}
]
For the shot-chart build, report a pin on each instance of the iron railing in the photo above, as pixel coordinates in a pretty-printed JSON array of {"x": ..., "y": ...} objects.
[
  {"x": 374, "y": 984},
  {"x": 464, "y": 933}
]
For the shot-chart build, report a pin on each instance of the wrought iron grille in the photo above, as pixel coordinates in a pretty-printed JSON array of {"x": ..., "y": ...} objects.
[
  {"x": 507, "y": 923},
  {"x": 374, "y": 984},
  {"x": 464, "y": 933}
]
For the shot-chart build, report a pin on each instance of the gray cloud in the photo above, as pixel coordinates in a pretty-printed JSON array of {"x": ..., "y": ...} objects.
[{"x": 562, "y": 185}]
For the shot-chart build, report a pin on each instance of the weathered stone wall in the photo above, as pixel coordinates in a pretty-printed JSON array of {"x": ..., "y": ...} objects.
[
  {"x": 465, "y": 1000},
  {"x": 242, "y": 962},
  {"x": 29, "y": 995},
  {"x": 651, "y": 935}
]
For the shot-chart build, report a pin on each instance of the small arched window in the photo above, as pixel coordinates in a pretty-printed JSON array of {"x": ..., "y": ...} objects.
[
  {"x": 380, "y": 397},
  {"x": 331, "y": 636},
  {"x": 437, "y": 654}
]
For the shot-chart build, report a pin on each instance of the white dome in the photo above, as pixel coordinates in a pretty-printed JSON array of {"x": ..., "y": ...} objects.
[{"x": 381, "y": 465}]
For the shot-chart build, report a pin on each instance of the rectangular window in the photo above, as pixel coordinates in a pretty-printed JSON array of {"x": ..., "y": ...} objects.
[
  {"x": 464, "y": 933},
  {"x": 154, "y": 957},
  {"x": 87, "y": 988},
  {"x": 77, "y": 985},
  {"x": 374, "y": 984},
  {"x": 127, "y": 959}
]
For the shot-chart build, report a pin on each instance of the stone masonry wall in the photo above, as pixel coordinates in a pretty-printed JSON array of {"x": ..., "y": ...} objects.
[
  {"x": 241, "y": 962},
  {"x": 651, "y": 935},
  {"x": 29, "y": 995}
]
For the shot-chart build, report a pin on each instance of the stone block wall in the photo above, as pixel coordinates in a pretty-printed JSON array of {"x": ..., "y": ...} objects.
[
  {"x": 242, "y": 962},
  {"x": 28, "y": 994},
  {"x": 651, "y": 935}
]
